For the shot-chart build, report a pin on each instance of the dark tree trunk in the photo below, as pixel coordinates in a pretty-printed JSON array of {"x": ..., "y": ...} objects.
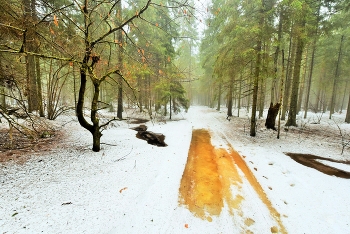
[{"x": 271, "y": 116}]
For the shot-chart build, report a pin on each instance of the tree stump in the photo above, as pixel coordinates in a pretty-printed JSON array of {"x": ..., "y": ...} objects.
[
  {"x": 271, "y": 116},
  {"x": 151, "y": 137}
]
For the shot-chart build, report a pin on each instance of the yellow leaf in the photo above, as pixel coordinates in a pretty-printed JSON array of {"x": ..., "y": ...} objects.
[
  {"x": 55, "y": 20},
  {"x": 123, "y": 189},
  {"x": 51, "y": 31}
]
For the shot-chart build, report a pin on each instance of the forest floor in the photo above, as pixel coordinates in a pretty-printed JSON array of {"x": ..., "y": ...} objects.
[{"x": 211, "y": 178}]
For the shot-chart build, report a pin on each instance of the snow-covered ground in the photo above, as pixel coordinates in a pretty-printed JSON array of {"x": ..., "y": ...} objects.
[{"x": 133, "y": 187}]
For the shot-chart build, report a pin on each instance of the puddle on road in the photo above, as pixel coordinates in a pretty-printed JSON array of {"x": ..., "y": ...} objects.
[{"x": 209, "y": 176}]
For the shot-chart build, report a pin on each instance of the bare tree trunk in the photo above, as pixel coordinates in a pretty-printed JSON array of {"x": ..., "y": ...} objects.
[
  {"x": 281, "y": 96},
  {"x": 219, "y": 96},
  {"x": 229, "y": 97},
  {"x": 170, "y": 111},
  {"x": 262, "y": 97},
  {"x": 302, "y": 84},
  {"x": 40, "y": 95},
  {"x": 256, "y": 82},
  {"x": 336, "y": 77},
  {"x": 120, "y": 61},
  {"x": 239, "y": 94}
]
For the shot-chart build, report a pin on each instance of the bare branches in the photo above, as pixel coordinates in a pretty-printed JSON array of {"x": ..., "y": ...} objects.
[
  {"x": 53, "y": 12},
  {"x": 120, "y": 27}
]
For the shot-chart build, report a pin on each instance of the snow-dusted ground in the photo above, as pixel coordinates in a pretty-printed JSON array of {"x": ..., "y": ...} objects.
[{"x": 133, "y": 187}]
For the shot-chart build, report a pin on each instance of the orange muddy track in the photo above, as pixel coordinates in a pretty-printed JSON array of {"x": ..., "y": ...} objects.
[{"x": 209, "y": 177}]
